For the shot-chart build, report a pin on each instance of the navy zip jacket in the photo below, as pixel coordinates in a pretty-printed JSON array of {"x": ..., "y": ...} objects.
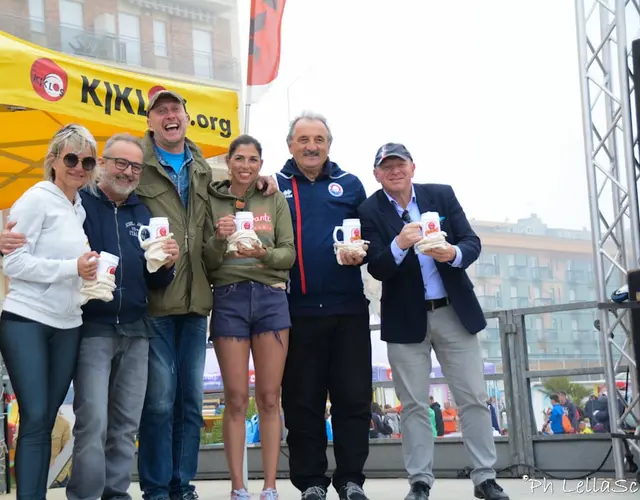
[
  {"x": 114, "y": 229},
  {"x": 319, "y": 286}
]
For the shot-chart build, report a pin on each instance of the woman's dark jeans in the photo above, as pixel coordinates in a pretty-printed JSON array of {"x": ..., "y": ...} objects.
[{"x": 41, "y": 361}]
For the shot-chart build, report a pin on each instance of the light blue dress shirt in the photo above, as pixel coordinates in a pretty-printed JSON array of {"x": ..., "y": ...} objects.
[{"x": 433, "y": 287}]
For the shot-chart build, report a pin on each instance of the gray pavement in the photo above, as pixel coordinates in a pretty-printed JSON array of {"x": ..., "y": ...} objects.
[{"x": 444, "y": 489}]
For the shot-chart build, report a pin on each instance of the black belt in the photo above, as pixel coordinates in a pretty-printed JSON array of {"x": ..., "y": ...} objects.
[{"x": 434, "y": 304}]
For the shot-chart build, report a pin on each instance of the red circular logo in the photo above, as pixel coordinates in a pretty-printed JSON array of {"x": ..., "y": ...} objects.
[
  {"x": 163, "y": 231},
  {"x": 48, "y": 80},
  {"x": 111, "y": 270},
  {"x": 431, "y": 225},
  {"x": 246, "y": 225},
  {"x": 252, "y": 377}
]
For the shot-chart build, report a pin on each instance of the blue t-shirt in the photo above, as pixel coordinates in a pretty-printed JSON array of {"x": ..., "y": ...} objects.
[{"x": 176, "y": 166}]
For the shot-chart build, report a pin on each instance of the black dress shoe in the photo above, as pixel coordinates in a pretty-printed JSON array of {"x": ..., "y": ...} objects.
[
  {"x": 419, "y": 491},
  {"x": 490, "y": 490}
]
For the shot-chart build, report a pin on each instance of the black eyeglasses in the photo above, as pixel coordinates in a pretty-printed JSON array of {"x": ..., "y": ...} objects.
[
  {"x": 71, "y": 160},
  {"x": 123, "y": 164},
  {"x": 406, "y": 217}
]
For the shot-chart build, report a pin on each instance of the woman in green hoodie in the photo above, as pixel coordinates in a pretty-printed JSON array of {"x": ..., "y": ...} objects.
[{"x": 251, "y": 312}]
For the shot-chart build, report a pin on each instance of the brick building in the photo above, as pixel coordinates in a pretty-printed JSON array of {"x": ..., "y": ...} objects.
[{"x": 188, "y": 39}]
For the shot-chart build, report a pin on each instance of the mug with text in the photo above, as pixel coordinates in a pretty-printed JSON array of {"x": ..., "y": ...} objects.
[
  {"x": 350, "y": 231},
  {"x": 244, "y": 221},
  {"x": 158, "y": 228},
  {"x": 108, "y": 263}
]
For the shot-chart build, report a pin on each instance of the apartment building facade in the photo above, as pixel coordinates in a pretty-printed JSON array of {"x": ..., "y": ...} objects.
[
  {"x": 195, "y": 40},
  {"x": 526, "y": 264}
]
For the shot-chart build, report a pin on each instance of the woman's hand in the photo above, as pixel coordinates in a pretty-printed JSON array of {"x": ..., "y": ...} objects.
[
  {"x": 255, "y": 252},
  {"x": 88, "y": 266},
  {"x": 225, "y": 227}
]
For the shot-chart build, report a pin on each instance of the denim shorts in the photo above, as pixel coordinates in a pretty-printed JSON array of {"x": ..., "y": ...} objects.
[{"x": 242, "y": 310}]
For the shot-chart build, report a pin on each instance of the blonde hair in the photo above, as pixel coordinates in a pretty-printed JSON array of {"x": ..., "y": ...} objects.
[{"x": 78, "y": 138}]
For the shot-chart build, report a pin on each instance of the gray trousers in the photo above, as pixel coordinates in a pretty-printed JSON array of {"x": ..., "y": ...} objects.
[
  {"x": 461, "y": 360},
  {"x": 110, "y": 386}
]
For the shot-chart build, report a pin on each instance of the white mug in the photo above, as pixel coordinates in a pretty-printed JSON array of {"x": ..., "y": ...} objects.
[
  {"x": 430, "y": 222},
  {"x": 350, "y": 231},
  {"x": 107, "y": 263},
  {"x": 158, "y": 228},
  {"x": 244, "y": 221}
]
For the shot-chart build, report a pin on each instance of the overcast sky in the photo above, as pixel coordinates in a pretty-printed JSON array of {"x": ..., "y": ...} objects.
[{"x": 485, "y": 95}]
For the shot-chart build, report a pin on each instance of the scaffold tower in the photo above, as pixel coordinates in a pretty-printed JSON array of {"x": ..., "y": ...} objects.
[{"x": 604, "y": 34}]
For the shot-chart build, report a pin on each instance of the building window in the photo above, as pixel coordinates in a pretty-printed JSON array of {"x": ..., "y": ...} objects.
[
  {"x": 514, "y": 292},
  {"x": 36, "y": 16},
  {"x": 159, "y": 38},
  {"x": 536, "y": 293},
  {"x": 129, "y": 50},
  {"x": 202, "y": 54},
  {"x": 71, "y": 25},
  {"x": 572, "y": 295}
]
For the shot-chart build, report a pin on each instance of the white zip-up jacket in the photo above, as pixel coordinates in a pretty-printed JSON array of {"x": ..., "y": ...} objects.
[{"x": 44, "y": 285}]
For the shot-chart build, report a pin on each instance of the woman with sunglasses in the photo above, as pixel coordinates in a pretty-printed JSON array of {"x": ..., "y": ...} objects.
[
  {"x": 251, "y": 310},
  {"x": 41, "y": 319}
]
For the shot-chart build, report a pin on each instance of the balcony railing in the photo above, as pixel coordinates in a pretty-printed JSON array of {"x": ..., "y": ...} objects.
[
  {"x": 488, "y": 302},
  {"x": 543, "y": 301},
  {"x": 485, "y": 269},
  {"x": 517, "y": 272},
  {"x": 179, "y": 60}
]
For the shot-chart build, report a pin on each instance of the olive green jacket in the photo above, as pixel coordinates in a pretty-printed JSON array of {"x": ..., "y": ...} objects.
[{"x": 190, "y": 291}]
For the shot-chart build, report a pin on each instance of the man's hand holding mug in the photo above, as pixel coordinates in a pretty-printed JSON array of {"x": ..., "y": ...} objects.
[{"x": 409, "y": 236}]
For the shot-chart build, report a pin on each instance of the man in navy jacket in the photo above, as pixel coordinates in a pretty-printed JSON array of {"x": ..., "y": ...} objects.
[
  {"x": 330, "y": 342},
  {"x": 428, "y": 303},
  {"x": 111, "y": 377}
]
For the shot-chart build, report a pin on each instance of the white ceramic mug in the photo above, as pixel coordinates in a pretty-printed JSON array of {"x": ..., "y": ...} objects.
[
  {"x": 244, "y": 221},
  {"x": 350, "y": 231},
  {"x": 158, "y": 228},
  {"x": 107, "y": 263},
  {"x": 430, "y": 222}
]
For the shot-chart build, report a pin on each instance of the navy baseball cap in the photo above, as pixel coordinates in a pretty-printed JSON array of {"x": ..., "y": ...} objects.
[{"x": 392, "y": 149}]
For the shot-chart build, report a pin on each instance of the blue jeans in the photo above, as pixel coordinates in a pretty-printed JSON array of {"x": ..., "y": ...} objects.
[
  {"x": 41, "y": 361},
  {"x": 169, "y": 437}
]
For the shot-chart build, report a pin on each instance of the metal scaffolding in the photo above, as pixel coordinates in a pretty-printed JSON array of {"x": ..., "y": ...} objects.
[{"x": 612, "y": 171}]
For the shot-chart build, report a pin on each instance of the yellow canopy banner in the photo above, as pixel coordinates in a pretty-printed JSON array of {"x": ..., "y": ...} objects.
[{"x": 42, "y": 90}]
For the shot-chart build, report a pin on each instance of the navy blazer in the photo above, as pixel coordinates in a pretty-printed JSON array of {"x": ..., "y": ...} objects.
[{"x": 403, "y": 311}]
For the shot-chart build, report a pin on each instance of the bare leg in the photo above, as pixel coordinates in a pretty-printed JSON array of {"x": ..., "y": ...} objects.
[
  {"x": 269, "y": 354},
  {"x": 233, "y": 358}
]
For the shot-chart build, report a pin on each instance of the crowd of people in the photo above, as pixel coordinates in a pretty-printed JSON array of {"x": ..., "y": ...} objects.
[
  {"x": 278, "y": 287},
  {"x": 566, "y": 417}
]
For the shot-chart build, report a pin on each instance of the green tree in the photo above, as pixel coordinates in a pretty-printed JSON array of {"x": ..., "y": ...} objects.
[{"x": 576, "y": 392}]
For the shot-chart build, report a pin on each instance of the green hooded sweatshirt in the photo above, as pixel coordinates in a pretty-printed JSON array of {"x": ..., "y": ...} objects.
[{"x": 272, "y": 224}]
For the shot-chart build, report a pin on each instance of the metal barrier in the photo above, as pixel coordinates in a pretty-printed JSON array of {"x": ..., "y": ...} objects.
[{"x": 525, "y": 452}]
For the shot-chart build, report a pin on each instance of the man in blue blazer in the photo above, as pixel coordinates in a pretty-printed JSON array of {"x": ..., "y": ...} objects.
[{"x": 428, "y": 303}]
